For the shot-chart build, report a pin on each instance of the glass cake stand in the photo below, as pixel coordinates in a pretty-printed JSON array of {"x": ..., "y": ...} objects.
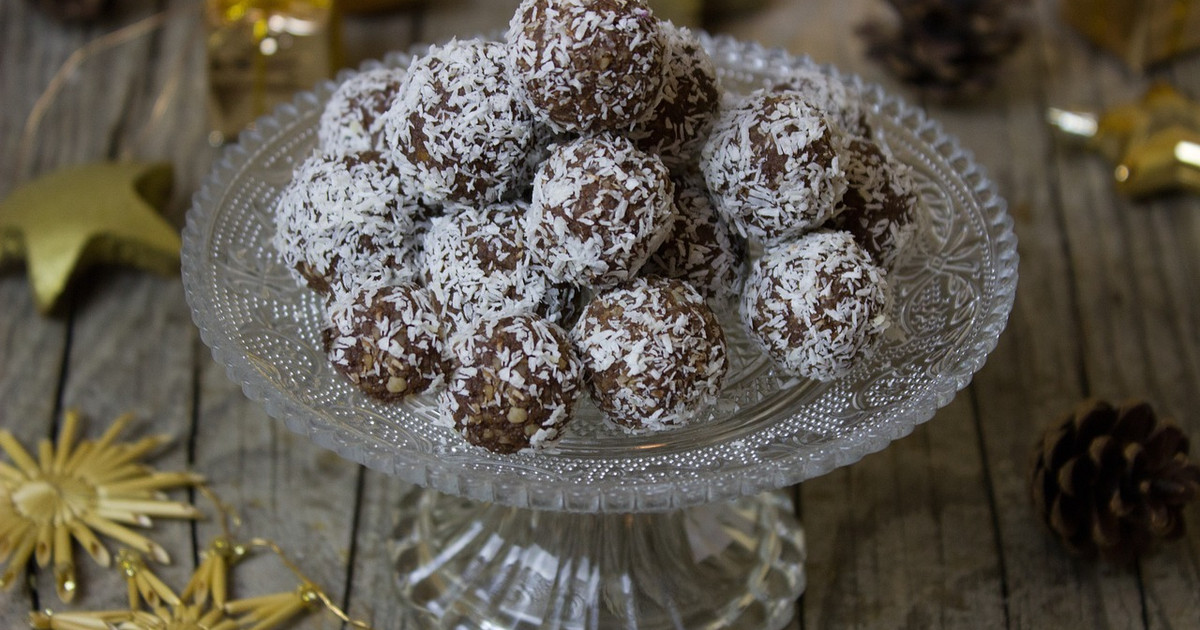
[{"x": 684, "y": 528}]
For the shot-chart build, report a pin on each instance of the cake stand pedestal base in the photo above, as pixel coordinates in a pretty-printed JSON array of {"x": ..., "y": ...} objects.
[{"x": 462, "y": 563}]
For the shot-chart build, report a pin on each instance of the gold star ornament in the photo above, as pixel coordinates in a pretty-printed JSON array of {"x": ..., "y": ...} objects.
[
  {"x": 1154, "y": 143},
  {"x": 71, "y": 219},
  {"x": 76, "y": 490}
]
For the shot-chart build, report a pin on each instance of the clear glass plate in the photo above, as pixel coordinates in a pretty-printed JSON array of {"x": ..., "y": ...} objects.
[{"x": 954, "y": 291}]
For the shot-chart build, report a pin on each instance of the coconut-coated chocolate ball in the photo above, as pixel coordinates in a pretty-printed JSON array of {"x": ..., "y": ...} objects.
[
  {"x": 387, "y": 339},
  {"x": 676, "y": 129},
  {"x": 830, "y": 96},
  {"x": 457, "y": 133},
  {"x": 342, "y": 215},
  {"x": 700, "y": 248},
  {"x": 352, "y": 121},
  {"x": 772, "y": 165},
  {"x": 600, "y": 207},
  {"x": 880, "y": 204},
  {"x": 476, "y": 262},
  {"x": 817, "y": 305},
  {"x": 654, "y": 355},
  {"x": 586, "y": 65},
  {"x": 515, "y": 385}
]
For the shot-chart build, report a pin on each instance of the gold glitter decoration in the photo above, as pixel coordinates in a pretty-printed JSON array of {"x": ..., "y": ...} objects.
[
  {"x": 76, "y": 491},
  {"x": 1154, "y": 142}
]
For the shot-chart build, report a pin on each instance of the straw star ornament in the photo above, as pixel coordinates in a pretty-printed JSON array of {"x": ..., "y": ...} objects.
[
  {"x": 202, "y": 604},
  {"x": 152, "y": 606},
  {"x": 79, "y": 491}
]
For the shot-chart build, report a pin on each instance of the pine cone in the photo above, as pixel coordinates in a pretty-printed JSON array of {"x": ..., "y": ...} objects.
[
  {"x": 947, "y": 49},
  {"x": 1110, "y": 481}
]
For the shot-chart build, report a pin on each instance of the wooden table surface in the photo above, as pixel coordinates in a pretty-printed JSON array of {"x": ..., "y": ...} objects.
[{"x": 935, "y": 531}]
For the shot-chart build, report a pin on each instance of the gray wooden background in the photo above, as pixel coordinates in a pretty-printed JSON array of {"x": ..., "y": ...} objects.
[{"x": 934, "y": 532}]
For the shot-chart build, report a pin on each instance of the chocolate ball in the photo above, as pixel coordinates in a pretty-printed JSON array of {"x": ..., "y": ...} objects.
[
  {"x": 387, "y": 340},
  {"x": 817, "y": 305},
  {"x": 772, "y": 166},
  {"x": 700, "y": 248},
  {"x": 880, "y": 204},
  {"x": 457, "y": 133},
  {"x": 830, "y": 96},
  {"x": 676, "y": 129},
  {"x": 654, "y": 355},
  {"x": 476, "y": 263},
  {"x": 600, "y": 207},
  {"x": 352, "y": 121},
  {"x": 515, "y": 385},
  {"x": 586, "y": 65},
  {"x": 342, "y": 215}
]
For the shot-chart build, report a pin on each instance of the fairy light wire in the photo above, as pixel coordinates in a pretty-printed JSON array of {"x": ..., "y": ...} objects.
[{"x": 81, "y": 55}]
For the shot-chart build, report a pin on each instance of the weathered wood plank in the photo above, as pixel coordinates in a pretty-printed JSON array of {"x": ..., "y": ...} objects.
[
  {"x": 106, "y": 333},
  {"x": 1139, "y": 344},
  {"x": 374, "y": 595},
  {"x": 895, "y": 539},
  {"x": 31, "y": 355},
  {"x": 131, "y": 351},
  {"x": 31, "y": 346},
  {"x": 1069, "y": 336},
  {"x": 131, "y": 337},
  {"x": 284, "y": 488},
  {"x": 1172, "y": 341},
  {"x": 167, "y": 120}
]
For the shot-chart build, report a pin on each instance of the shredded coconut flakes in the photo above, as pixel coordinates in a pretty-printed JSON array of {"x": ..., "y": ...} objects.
[
  {"x": 600, "y": 207},
  {"x": 772, "y": 166},
  {"x": 516, "y": 385},
  {"x": 455, "y": 130},
  {"x": 653, "y": 352},
  {"x": 817, "y": 305}
]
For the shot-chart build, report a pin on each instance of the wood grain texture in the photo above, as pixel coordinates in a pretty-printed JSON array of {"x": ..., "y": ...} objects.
[
  {"x": 130, "y": 335},
  {"x": 1076, "y": 325},
  {"x": 31, "y": 347},
  {"x": 1135, "y": 344},
  {"x": 1045, "y": 588},
  {"x": 894, "y": 540},
  {"x": 936, "y": 531},
  {"x": 283, "y": 487},
  {"x": 131, "y": 351},
  {"x": 31, "y": 357}
]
